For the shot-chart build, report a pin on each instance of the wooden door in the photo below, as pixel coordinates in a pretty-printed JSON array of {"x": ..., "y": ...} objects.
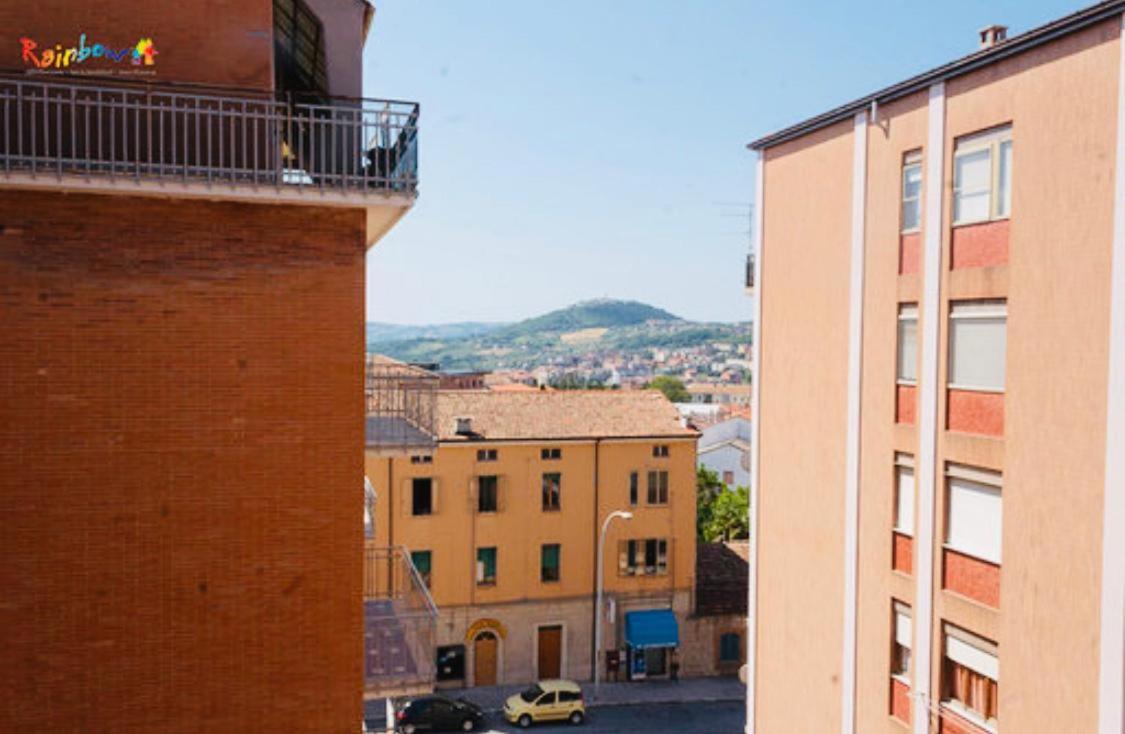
[
  {"x": 484, "y": 660},
  {"x": 550, "y": 652}
]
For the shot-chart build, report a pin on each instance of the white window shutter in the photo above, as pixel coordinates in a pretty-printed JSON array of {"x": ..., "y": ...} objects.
[
  {"x": 978, "y": 346},
  {"x": 972, "y": 657},
  {"x": 974, "y": 522},
  {"x": 903, "y": 628},
  {"x": 904, "y": 519}
]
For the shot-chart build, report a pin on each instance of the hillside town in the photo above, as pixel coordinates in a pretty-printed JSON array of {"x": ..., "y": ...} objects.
[{"x": 716, "y": 363}]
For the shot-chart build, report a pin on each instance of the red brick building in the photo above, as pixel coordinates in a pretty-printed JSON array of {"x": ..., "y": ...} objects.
[{"x": 182, "y": 239}]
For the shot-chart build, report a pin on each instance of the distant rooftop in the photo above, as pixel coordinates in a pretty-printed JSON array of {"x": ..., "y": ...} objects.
[{"x": 557, "y": 414}]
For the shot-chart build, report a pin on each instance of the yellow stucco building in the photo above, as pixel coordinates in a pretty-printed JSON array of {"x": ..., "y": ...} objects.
[{"x": 502, "y": 520}]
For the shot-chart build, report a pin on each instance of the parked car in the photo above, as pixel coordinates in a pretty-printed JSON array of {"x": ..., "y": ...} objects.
[
  {"x": 438, "y": 713},
  {"x": 547, "y": 700}
]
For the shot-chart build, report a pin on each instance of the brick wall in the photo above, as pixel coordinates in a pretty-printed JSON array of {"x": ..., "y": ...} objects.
[
  {"x": 181, "y": 443},
  {"x": 900, "y": 700},
  {"x": 971, "y": 577},
  {"x": 970, "y": 411},
  {"x": 979, "y": 245},
  {"x": 205, "y": 41},
  {"x": 902, "y": 553},
  {"x": 951, "y": 723}
]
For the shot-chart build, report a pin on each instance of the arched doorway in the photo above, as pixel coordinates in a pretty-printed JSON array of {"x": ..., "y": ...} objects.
[{"x": 485, "y": 652}]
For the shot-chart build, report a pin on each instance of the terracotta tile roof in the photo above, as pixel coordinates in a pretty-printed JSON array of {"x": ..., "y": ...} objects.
[
  {"x": 513, "y": 387},
  {"x": 558, "y": 414},
  {"x": 722, "y": 577}
]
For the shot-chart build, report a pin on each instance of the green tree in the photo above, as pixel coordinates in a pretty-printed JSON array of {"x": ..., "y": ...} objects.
[
  {"x": 672, "y": 387},
  {"x": 707, "y": 489},
  {"x": 730, "y": 516}
]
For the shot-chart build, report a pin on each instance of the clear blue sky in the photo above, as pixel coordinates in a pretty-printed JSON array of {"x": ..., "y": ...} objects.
[{"x": 572, "y": 150}]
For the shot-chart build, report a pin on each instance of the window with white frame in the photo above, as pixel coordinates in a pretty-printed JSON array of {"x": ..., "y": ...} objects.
[
  {"x": 904, "y": 494},
  {"x": 971, "y": 677},
  {"x": 900, "y": 647},
  {"x": 907, "y": 368},
  {"x": 912, "y": 191},
  {"x": 973, "y": 523},
  {"x": 978, "y": 345},
  {"x": 982, "y": 177}
]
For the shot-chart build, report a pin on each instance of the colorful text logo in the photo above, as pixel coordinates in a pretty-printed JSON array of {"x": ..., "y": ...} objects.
[{"x": 142, "y": 53}]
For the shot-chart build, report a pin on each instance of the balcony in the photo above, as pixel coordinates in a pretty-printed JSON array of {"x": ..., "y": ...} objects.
[
  {"x": 175, "y": 141},
  {"x": 399, "y": 626},
  {"x": 400, "y": 404}
]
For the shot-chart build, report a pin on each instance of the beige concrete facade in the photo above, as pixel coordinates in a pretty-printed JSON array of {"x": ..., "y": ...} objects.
[
  {"x": 594, "y": 479},
  {"x": 1060, "y": 99}
]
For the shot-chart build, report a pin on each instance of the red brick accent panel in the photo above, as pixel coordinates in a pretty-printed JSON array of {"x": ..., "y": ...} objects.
[
  {"x": 971, "y": 577},
  {"x": 951, "y": 723},
  {"x": 181, "y": 443},
  {"x": 900, "y": 700},
  {"x": 909, "y": 253},
  {"x": 902, "y": 553},
  {"x": 906, "y": 403},
  {"x": 970, "y": 411},
  {"x": 204, "y": 41},
  {"x": 980, "y": 245}
]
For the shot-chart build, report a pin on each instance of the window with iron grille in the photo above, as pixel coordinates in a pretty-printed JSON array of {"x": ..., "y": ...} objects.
[{"x": 298, "y": 41}]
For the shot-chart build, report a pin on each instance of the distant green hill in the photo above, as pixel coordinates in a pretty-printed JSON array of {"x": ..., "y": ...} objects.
[
  {"x": 602, "y": 312},
  {"x": 601, "y": 325}
]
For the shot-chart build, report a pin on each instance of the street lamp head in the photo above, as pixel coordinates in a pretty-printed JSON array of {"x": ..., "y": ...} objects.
[{"x": 626, "y": 515}]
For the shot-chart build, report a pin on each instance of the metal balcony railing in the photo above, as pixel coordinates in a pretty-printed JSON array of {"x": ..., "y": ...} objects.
[
  {"x": 400, "y": 625},
  {"x": 163, "y": 133},
  {"x": 401, "y": 404}
]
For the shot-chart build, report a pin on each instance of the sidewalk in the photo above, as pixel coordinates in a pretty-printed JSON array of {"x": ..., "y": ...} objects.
[{"x": 685, "y": 690}]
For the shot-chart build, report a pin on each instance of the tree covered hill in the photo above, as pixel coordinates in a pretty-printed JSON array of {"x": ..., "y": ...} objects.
[{"x": 602, "y": 325}]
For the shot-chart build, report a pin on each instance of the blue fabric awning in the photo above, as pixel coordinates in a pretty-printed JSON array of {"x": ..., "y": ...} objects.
[{"x": 652, "y": 628}]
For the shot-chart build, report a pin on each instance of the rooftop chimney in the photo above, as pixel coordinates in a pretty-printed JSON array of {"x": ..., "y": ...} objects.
[{"x": 993, "y": 35}]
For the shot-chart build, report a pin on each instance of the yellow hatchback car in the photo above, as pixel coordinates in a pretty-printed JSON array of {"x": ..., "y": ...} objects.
[{"x": 547, "y": 700}]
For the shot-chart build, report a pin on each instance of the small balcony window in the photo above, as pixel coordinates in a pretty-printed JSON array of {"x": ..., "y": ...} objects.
[
  {"x": 658, "y": 487},
  {"x": 912, "y": 191},
  {"x": 486, "y": 566},
  {"x": 971, "y": 678},
  {"x": 977, "y": 345},
  {"x": 488, "y": 491},
  {"x": 423, "y": 562},
  {"x": 907, "y": 352},
  {"x": 549, "y": 562},
  {"x": 422, "y": 496},
  {"x": 904, "y": 494},
  {"x": 982, "y": 177}
]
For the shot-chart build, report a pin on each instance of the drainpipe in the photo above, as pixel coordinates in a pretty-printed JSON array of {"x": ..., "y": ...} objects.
[{"x": 597, "y": 512}]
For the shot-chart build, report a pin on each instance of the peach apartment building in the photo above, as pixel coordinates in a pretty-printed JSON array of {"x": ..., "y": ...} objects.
[
  {"x": 939, "y": 520},
  {"x": 502, "y": 518}
]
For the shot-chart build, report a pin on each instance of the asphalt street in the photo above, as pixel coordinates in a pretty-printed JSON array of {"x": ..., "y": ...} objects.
[{"x": 726, "y": 717}]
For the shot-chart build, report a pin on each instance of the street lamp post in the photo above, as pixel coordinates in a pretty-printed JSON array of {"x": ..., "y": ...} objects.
[{"x": 598, "y": 608}]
